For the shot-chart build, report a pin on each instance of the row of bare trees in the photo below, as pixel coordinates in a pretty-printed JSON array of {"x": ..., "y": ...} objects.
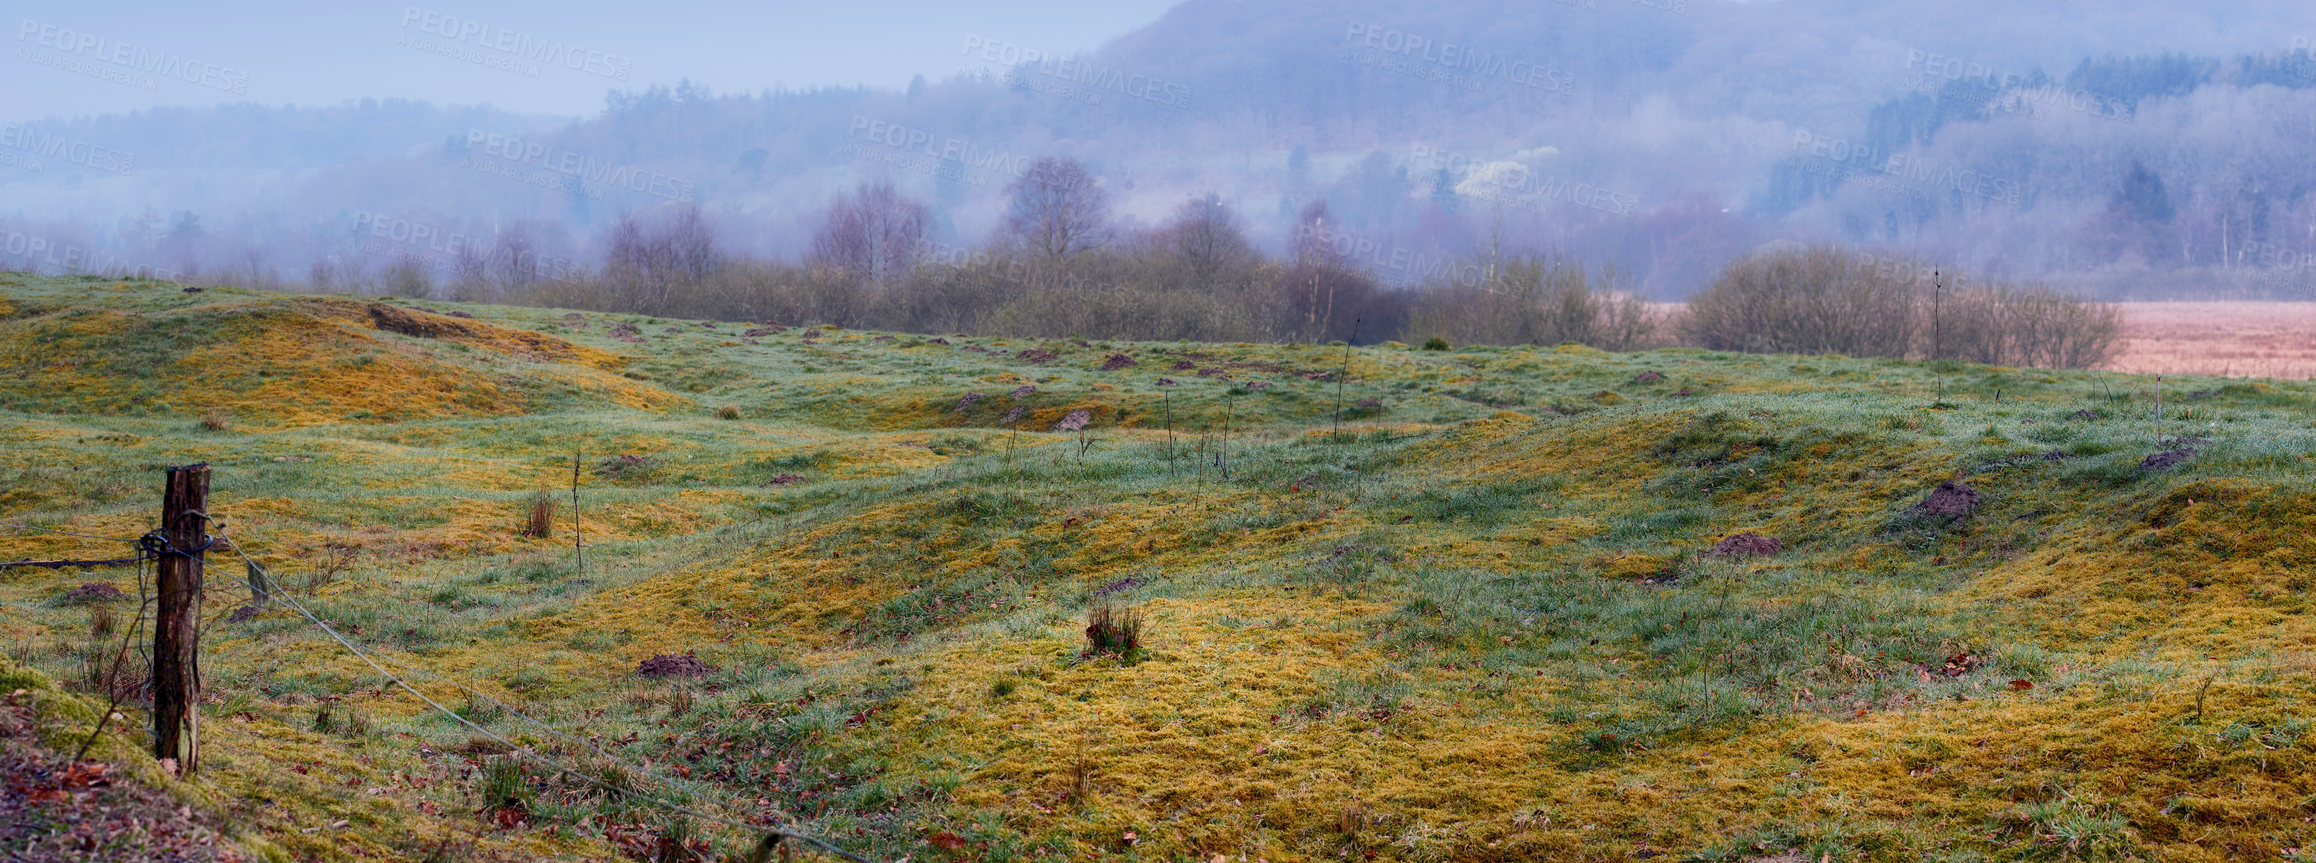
[{"x": 1059, "y": 266}]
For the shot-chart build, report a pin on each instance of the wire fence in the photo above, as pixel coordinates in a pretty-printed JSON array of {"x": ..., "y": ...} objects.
[
  {"x": 378, "y": 662},
  {"x": 153, "y": 545}
]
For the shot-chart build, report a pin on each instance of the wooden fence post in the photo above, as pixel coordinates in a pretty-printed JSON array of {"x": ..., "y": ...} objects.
[{"x": 176, "y": 630}]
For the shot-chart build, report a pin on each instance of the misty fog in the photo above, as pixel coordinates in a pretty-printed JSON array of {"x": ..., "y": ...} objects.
[{"x": 2121, "y": 150}]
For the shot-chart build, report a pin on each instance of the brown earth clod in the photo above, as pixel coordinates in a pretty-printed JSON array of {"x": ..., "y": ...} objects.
[
  {"x": 673, "y": 665},
  {"x": 1951, "y": 501},
  {"x": 1747, "y": 545}
]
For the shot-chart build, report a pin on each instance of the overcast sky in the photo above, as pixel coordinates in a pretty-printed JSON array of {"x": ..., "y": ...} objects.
[{"x": 83, "y": 57}]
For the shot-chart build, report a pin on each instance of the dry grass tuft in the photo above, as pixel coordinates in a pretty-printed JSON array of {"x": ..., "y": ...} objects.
[
  {"x": 541, "y": 521},
  {"x": 1112, "y": 631}
]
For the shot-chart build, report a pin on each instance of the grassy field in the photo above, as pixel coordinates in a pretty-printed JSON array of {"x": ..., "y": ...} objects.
[{"x": 1480, "y": 622}]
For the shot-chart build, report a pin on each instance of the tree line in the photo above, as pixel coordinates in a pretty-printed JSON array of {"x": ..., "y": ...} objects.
[{"x": 1061, "y": 265}]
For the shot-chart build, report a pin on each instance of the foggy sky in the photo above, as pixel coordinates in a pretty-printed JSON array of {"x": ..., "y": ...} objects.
[{"x": 73, "y": 57}]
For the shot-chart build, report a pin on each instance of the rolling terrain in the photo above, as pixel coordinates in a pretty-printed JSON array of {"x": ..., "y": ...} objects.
[{"x": 1483, "y": 620}]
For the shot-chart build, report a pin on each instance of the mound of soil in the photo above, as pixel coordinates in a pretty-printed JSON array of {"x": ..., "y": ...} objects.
[
  {"x": 1949, "y": 502},
  {"x": 2166, "y": 460},
  {"x": 1076, "y": 420},
  {"x": 92, "y": 592},
  {"x": 786, "y": 479},
  {"x": 969, "y": 400},
  {"x": 673, "y": 665},
  {"x": 1747, "y": 545},
  {"x": 1118, "y": 361},
  {"x": 1034, "y": 355},
  {"x": 421, "y": 323},
  {"x": 1648, "y": 377},
  {"x": 1120, "y": 586}
]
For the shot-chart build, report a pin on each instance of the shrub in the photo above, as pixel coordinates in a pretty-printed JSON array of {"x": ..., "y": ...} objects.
[
  {"x": 1435, "y": 343},
  {"x": 1538, "y": 301},
  {"x": 1813, "y": 300},
  {"x": 728, "y": 412},
  {"x": 216, "y": 421}
]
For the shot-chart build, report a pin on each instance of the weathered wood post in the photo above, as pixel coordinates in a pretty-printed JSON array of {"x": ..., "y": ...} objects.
[{"x": 176, "y": 630}]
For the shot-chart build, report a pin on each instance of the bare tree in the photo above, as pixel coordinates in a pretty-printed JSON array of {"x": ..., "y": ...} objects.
[
  {"x": 514, "y": 260},
  {"x": 873, "y": 235},
  {"x": 470, "y": 275},
  {"x": 647, "y": 266},
  {"x": 407, "y": 276},
  {"x": 692, "y": 244},
  {"x": 1057, "y": 210},
  {"x": 1206, "y": 237}
]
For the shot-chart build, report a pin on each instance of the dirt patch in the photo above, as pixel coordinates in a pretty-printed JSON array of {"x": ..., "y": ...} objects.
[
  {"x": 1747, "y": 545},
  {"x": 412, "y": 322},
  {"x": 90, "y": 593},
  {"x": 1950, "y": 501},
  {"x": 2166, "y": 460},
  {"x": 673, "y": 665},
  {"x": 1120, "y": 586}
]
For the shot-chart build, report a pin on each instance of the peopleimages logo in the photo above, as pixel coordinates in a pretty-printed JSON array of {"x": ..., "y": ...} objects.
[
  {"x": 390, "y": 236},
  {"x": 1908, "y": 175},
  {"x": 37, "y": 253},
  {"x": 511, "y": 44},
  {"x": 511, "y": 152},
  {"x": 944, "y": 148},
  {"x": 75, "y": 49},
  {"x": 15, "y": 138},
  {"x": 1468, "y": 64},
  {"x": 1073, "y": 77}
]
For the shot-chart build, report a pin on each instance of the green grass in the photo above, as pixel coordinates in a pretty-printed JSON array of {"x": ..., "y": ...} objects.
[{"x": 1447, "y": 633}]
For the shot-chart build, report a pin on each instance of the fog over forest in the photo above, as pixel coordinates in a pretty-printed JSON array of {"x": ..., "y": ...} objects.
[{"x": 2135, "y": 149}]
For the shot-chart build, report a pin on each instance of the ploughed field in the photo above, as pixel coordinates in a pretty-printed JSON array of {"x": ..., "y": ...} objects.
[
  {"x": 1957, "y": 612},
  {"x": 2228, "y": 339}
]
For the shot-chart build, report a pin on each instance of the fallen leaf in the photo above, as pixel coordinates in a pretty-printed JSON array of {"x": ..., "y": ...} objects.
[
  {"x": 947, "y": 841},
  {"x": 2021, "y": 685}
]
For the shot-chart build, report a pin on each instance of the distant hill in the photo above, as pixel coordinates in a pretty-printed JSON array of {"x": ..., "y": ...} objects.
[{"x": 1664, "y": 136}]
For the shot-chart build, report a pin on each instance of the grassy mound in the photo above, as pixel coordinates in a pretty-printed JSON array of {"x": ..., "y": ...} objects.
[
  {"x": 1481, "y": 621},
  {"x": 139, "y": 348}
]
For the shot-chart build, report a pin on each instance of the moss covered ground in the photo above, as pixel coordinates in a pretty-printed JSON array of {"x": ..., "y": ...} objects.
[{"x": 1477, "y": 622}]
